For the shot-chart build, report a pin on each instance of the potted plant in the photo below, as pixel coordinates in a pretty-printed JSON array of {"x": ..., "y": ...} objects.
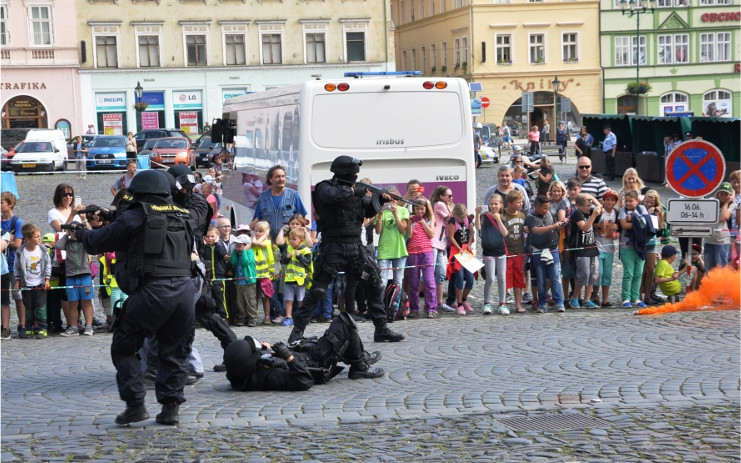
[
  {"x": 457, "y": 66},
  {"x": 432, "y": 71},
  {"x": 464, "y": 65},
  {"x": 444, "y": 68},
  {"x": 504, "y": 61},
  {"x": 141, "y": 106},
  {"x": 638, "y": 88}
]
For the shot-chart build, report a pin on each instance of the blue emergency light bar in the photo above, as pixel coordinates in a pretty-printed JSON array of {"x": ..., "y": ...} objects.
[{"x": 383, "y": 73}]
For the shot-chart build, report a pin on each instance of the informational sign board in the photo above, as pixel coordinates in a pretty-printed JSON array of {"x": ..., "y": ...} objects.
[
  {"x": 189, "y": 122},
  {"x": 692, "y": 231},
  {"x": 695, "y": 168},
  {"x": 150, "y": 120},
  {"x": 692, "y": 211},
  {"x": 113, "y": 124}
]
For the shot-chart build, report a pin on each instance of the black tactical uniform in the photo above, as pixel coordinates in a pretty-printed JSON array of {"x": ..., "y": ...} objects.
[
  {"x": 153, "y": 240},
  {"x": 250, "y": 366},
  {"x": 341, "y": 208}
]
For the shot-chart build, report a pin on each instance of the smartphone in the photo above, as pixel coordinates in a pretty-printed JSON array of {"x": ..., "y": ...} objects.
[{"x": 78, "y": 201}]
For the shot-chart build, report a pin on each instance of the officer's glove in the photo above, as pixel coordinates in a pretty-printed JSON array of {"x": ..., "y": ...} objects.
[
  {"x": 360, "y": 190},
  {"x": 75, "y": 229},
  {"x": 281, "y": 350},
  {"x": 105, "y": 214}
]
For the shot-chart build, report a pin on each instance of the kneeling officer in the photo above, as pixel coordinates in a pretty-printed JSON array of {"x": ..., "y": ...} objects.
[
  {"x": 255, "y": 366},
  {"x": 153, "y": 240}
]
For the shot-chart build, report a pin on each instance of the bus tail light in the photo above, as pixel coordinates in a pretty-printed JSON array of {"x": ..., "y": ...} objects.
[
  {"x": 343, "y": 87},
  {"x": 441, "y": 85},
  {"x": 330, "y": 87},
  {"x": 428, "y": 85}
]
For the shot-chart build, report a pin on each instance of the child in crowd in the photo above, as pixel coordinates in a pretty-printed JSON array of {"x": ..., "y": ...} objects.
[
  {"x": 665, "y": 276},
  {"x": 226, "y": 241},
  {"x": 691, "y": 275},
  {"x": 299, "y": 268},
  {"x": 79, "y": 282},
  {"x": 391, "y": 223},
  {"x": 12, "y": 224},
  {"x": 264, "y": 260},
  {"x": 606, "y": 228},
  {"x": 632, "y": 261},
  {"x": 32, "y": 268},
  {"x": 492, "y": 232},
  {"x": 215, "y": 258},
  {"x": 460, "y": 240},
  {"x": 518, "y": 176},
  {"x": 421, "y": 258},
  {"x": 116, "y": 296},
  {"x": 718, "y": 245},
  {"x": 543, "y": 234},
  {"x": 242, "y": 260},
  {"x": 652, "y": 203},
  {"x": 514, "y": 221},
  {"x": 568, "y": 260},
  {"x": 587, "y": 270}
]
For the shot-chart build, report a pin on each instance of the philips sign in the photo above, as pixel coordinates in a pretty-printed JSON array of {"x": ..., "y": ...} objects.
[{"x": 110, "y": 101}]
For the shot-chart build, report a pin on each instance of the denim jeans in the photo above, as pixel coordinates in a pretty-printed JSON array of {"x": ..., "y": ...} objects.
[
  {"x": 441, "y": 262},
  {"x": 544, "y": 273},
  {"x": 392, "y": 265},
  {"x": 716, "y": 255}
]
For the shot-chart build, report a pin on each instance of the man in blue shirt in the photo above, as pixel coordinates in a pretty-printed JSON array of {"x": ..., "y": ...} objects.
[
  {"x": 277, "y": 204},
  {"x": 609, "y": 146}
]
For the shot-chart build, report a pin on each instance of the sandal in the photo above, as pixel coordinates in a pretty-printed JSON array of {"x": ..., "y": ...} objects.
[{"x": 431, "y": 314}]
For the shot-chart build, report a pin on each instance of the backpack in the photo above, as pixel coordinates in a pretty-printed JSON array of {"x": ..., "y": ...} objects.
[{"x": 642, "y": 232}]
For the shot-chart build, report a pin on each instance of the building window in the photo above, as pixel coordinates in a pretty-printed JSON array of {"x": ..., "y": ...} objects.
[
  {"x": 315, "y": 48},
  {"x": 673, "y": 48},
  {"x": 715, "y": 46},
  {"x": 404, "y": 63},
  {"x": 196, "y": 47},
  {"x": 671, "y": 3},
  {"x": 457, "y": 52},
  {"x": 105, "y": 52},
  {"x": 433, "y": 56},
  {"x": 422, "y": 8},
  {"x": 355, "y": 42},
  {"x": 569, "y": 43},
  {"x": 40, "y": 25},
  {"x": 715, "y": 2},
  {"x": 234, "y": 49},
  {"x": 464, "y": 50},
  {"x": 4, "y": 38},
  {"x": 443, "y": 6},
  {"x": 149, "y": 51},
  {"x": 444, "y": 55},
  {"x": 504, "y": 48},
  {"x": 402, "y": 13},
  {"x": 272, "y": 49},
  {"x": 414, "y": 60},
  {"x": 673, "y": 102},
  {"x": 457, "y": 4},
  {"x": 423, "y": 60},
  {"x": 717, "y": 103},
  {"x": 433, "y": 10},
  {"x": 626, "y": 52},
  {"x": 537, "y": 48}
]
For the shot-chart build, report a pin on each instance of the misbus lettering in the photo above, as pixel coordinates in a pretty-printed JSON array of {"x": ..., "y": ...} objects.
[
  {"x": 721, "y": 17},
  {"x": 24, "y": 86}
]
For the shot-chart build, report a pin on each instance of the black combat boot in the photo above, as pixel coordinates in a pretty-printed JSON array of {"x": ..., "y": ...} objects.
[
  {"x": 373, "y": 357},
  {"x": 386, "y": 335},
  {"x": 365, "y": 371},
  {"x": 135, "y": 411},
  {"x": 296, "y": 335},
  {"x": 170, "y": 414}
]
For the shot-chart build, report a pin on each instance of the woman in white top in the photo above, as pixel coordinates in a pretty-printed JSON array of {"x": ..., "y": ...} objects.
[{"x": 61, "y": 213}]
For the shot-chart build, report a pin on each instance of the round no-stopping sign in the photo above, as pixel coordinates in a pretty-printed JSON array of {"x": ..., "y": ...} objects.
[{"x": 695, "y": 168}]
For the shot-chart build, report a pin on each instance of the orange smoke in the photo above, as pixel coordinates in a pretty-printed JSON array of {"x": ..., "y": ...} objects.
[{"x": 719, "y": 290}]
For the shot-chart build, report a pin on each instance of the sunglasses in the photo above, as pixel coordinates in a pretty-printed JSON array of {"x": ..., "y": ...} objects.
[
  {"x": 71, "y": 195},
  {"x": 585, "y": 167}
]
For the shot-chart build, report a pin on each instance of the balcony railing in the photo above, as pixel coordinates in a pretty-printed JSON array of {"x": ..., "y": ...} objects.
[{"x": 57, "y": 56}]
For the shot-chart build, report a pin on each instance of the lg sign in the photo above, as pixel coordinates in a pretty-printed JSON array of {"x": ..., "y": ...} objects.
[{"x": 721, "y": 17}]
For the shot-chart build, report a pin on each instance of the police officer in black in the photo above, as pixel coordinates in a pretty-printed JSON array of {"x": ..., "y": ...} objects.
[
  {"x": 153, "y": 240},
  {"x": 341, "y": 206},
  {"x": 255, "y": 366}
]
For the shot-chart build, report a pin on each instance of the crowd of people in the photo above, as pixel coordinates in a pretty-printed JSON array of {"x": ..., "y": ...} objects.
[{"x": 557, "y": 249}]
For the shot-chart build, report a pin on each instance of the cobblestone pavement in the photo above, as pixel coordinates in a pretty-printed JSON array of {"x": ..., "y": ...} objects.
[{"x": 583, "y": 386}]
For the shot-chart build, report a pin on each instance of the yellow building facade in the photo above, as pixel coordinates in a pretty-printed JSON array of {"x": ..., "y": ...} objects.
[{"x": 510, "y": 47}]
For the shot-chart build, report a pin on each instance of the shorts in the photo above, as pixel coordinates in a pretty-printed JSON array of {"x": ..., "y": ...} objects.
[
  {"x": 82, "y": 288},
  {"x": 16, "y": 293},
  {"x": 516, "y": 271},
  {"x": 652, "y": 248},
  {"x": 587, "y": 271},
  {"x": 265, "y": 287},
  {"x": 5, "y": 289},
  {"x": 294, "y": 292}
]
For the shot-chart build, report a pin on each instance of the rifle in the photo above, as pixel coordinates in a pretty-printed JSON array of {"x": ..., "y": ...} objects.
[{"x": 377, "y": 192}]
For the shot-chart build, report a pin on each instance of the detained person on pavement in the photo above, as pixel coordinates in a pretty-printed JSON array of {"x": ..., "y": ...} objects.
[
  {"x": 259, "y": 366},
  {"x": 341, "y": 205}
]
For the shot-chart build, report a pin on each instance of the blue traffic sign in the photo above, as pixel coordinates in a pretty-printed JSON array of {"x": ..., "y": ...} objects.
[{"x": 695, "y": 168}]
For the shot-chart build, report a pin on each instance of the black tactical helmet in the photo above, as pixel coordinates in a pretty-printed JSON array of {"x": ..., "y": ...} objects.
[
  {"x": 345, "y": 165},
  {"x": 150, "y": 182},
  {"x": 240, "y": 357},
  {"x": 183, "y": 176}
]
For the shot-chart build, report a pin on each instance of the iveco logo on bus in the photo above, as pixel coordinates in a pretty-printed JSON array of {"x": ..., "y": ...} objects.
[
  {"x": 390, "y": 141},
  {"x": 447, "y": 177}
]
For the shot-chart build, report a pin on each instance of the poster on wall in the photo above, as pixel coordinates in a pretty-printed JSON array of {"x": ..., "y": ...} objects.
[
  {"x": 112, "y": 124},
  {"x": 718, "y": 108},
  {"x": 150, "y": 120},
  {"x": 189, "y": 122}
]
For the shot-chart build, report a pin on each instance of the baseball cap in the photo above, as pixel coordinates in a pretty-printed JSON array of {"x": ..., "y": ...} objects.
[
  {"x": 47, "y": 238},
  {"x": 668, "y": 251},
  {"x": 725, "y": 187},
  {"x": 243, "y": 227},
  {"x": 610, "y": 194},
  {"x": 242, "y": 239}
]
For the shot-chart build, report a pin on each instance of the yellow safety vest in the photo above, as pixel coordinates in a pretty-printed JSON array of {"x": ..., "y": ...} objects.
[
  {"x": 295, "y": 272},
  {"x": 264, "y": 260}
]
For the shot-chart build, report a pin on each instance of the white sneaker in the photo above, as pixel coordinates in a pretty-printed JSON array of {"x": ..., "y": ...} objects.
[
  {"x": 503, "y": 310},
  {"x": 527, "y": 297},
  {"x": 278, "y": 320},
  {"x": 510, "y": 299},
  {"x": 487, "y": 309},
  {"x": 88, "y": 331}
]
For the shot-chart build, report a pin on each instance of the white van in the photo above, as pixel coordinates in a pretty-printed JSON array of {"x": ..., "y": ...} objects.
[{"x": 43, "y": 149}]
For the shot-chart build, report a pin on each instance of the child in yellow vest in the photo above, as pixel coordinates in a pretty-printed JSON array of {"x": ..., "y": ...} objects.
[
  {"x": 299, "y": 268},
  {"x": 264, "y": 265}
]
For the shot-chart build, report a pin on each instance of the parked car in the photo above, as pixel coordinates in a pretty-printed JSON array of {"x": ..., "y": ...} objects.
[
  {"x": 148, "y": 146},
  {"x": 172, "y": 151},
  {"x": 144, "y": 135},
  {"x": 205, "y": 151},
  {"x": 43, "y": 149},
  {"x": 107, "y": 151}
]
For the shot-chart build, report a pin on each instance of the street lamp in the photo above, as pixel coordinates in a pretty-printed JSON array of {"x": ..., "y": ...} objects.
[
  {"x": 138, "y": 92},
  {"x": 556, "y": 87},
  {"x": 637, "y": 8}
]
